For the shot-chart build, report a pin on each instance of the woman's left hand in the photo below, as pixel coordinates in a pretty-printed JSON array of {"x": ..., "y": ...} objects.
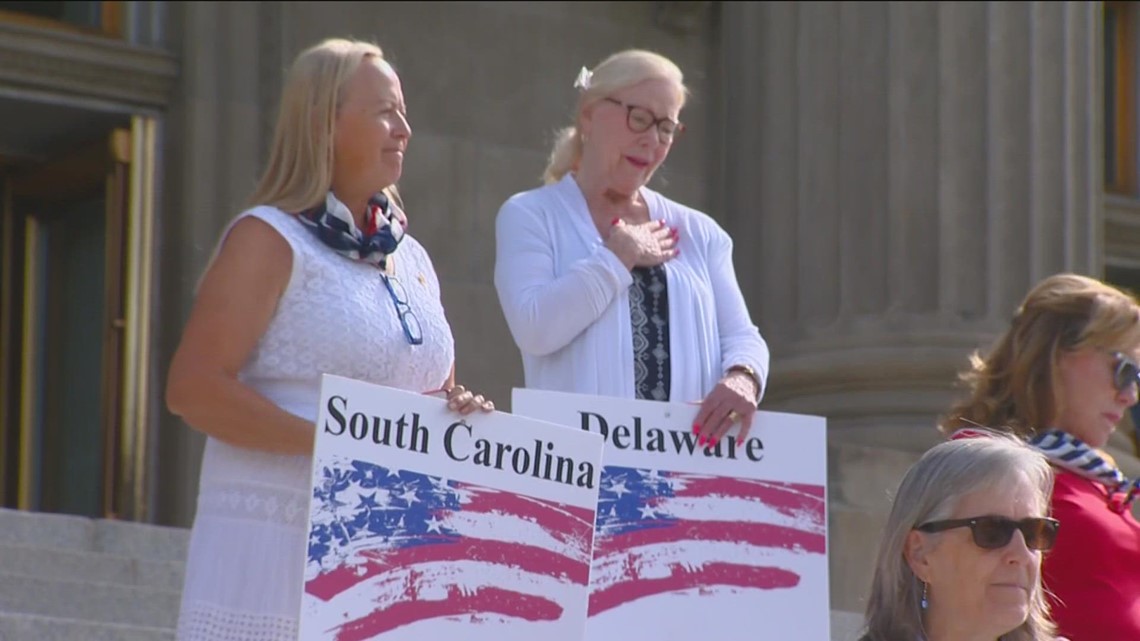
[
  {"x": 733, "y": 399},
  {"x": 464, "y": 401}
]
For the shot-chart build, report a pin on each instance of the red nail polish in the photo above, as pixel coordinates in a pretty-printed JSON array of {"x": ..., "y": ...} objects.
[
  {"x": 739, "y": 441},
  {"x": 701, "y": 441},
  {"x": 712, "y": 442},
  {"x": 615, "y": 221},
  {"x": 696, "y": 428}
]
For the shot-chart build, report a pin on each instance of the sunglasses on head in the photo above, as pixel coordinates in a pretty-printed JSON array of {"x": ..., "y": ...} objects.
[
  {"x": 1125, "y": 372},
  {"x": 995, "y": 532}
]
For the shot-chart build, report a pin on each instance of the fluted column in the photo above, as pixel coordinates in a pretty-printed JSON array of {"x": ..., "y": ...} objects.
[
  {"x": 896, "y": 176},
  {"x": 216, "y": 134}
]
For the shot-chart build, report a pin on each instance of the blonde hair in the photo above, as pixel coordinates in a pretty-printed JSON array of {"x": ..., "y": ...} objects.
[
  {"x": 299, "y": 171},
  {"x": 930, "y": 491},
  {"x": 620, "y": 70},
  {"x": 1015, "y": 385}
]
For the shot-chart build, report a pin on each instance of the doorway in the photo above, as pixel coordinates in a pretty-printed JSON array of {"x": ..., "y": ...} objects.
[{"x": 72, "y": 251}]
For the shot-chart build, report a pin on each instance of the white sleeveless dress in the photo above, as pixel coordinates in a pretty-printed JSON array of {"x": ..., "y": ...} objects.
[{"x": 245, "y": 566}]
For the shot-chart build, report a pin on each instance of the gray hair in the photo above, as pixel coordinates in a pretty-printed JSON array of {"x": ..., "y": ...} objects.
[
  {"x": 620, "y": 70},
  {"x": 930, "y": 491}
]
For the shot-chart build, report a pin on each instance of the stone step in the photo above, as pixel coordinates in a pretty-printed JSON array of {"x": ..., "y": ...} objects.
[
  {"x": 845, "y": 626},
  {"x": 853, "y": 542},
  {"x": 30, "y": 627},
  {"x": 89, "y": 601},
  {"x": 865, "y": 477},
  {"x": 95, "y": 567},
  {"x": 82, "y": 534}
]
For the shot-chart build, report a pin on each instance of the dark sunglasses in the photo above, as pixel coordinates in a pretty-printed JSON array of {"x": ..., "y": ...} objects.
[
  {"x": 1125, "y": 372},
  {"x": 995, "y": 532}
]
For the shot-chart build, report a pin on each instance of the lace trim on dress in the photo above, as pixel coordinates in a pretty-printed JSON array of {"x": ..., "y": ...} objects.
[
  {"x": 264, "y": 504},
  {"x": 200, "y": 621}
]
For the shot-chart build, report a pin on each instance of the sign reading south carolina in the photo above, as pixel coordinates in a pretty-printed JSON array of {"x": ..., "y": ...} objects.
[{"x": 425, "y": 524}]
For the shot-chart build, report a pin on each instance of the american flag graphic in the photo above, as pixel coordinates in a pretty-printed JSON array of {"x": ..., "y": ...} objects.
[
  {"x": 661, "y": 532},
  {"x": 390, "y": 548}
]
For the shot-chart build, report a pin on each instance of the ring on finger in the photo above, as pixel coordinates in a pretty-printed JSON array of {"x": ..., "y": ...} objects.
[{"x": 733, "y": 415}]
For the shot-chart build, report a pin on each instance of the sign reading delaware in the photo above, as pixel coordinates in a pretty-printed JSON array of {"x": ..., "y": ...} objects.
[
  {"x": 425, "y": 524},
  {"x": 726, "y": 542}
]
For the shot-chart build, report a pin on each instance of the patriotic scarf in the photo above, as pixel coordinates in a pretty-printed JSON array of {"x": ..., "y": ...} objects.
[
  {"x": 1071, "y": 453},
  {"x": 332, "y": 223}
]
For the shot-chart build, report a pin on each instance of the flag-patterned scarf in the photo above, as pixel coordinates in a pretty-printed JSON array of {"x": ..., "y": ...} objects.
[
  {"x": 332, "y": 222},
  {"x": 1071, "y": 453}
]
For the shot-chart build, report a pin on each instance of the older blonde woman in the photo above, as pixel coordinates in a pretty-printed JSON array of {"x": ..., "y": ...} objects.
[
  {"x": 611, "y": 288},
  {"x": 318, "y": 277},
  {"x": 960, "y": 557},
  {"x": 1062, "y": 376}
]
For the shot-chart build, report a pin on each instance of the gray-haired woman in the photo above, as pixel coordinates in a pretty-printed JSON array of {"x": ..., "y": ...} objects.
[
  {"x": 610, "y": 288},
  {"x": 960, "y": 558}
]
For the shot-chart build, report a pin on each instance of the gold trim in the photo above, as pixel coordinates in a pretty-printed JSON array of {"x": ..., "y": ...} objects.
[
  {"x": 111, "y": 20},
  {"x": 120, "y": 146},
  {"x": 7, "y": 312},
  {"x": 136, "y": 357},
  {"x": 28, "y": 373}
]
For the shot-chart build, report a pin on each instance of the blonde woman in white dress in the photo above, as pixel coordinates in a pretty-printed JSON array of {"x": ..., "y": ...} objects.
[{"x": 318, "y": 276}]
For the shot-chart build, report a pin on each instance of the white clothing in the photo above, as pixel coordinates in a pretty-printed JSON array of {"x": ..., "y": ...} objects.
[
  {"x": 248, "y": 545},
  {"x": 566, "y": 298}
]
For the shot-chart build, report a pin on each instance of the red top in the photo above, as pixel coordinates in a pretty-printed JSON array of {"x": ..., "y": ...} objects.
[{"x": 1093, "y": 569}]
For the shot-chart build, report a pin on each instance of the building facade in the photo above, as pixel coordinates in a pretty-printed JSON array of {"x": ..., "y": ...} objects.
[{"x": 895, "y": 177}]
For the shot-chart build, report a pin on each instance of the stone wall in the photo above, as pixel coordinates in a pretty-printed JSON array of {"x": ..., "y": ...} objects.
[
  {"x": 895, "y": 176},
  {"x": 486, "y": 83}
]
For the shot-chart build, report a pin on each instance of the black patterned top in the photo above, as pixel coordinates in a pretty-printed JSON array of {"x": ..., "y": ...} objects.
[{"x": 649, "y": 312}]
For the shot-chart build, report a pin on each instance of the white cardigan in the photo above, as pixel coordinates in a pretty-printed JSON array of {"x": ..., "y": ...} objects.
[{"x": 566, "y": 298}]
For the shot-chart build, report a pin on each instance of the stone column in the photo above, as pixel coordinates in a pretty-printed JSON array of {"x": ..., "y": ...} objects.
[
  {"x": 896, "y": 176},
  {"x": 215, "y": 137}
]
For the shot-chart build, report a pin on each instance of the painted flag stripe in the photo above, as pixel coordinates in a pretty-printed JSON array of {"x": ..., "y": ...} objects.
[
  {"x": 682, "y": 578},
  {"x": 458, "y": 602},
  {"x": 525, "y": 557}
]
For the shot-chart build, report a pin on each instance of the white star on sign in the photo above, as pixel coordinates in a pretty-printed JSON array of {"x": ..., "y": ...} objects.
[{"x": 618, "y": 487}]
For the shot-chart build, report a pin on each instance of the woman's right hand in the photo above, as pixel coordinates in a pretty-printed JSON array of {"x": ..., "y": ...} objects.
[
  {"x": 462, "y": 400},
  {"x": 643, "y": 245}
]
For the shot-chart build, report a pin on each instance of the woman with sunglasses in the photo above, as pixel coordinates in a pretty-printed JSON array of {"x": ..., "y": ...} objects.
[
  {"x": 609, "y": 287},
  {"x": 317, "y": 277},
  {"x": 1062, "y": 376},
  {"x": 960, "y": 557}
]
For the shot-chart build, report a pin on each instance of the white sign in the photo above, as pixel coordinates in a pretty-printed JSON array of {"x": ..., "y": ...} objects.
[
  {"x": 425, "y": 524},
  {"x": 726, "y": 542}
]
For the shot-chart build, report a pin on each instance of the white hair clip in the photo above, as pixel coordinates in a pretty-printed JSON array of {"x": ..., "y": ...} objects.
[{"x": 583, "y": 80}]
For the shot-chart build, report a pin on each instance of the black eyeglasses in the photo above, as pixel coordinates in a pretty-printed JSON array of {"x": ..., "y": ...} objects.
[
  {"x": 408, "y": 319},
  {"x": 995, "y": 532},
  {"x": 640, "y": 119},
  {"x": 1125, "y": 372}
]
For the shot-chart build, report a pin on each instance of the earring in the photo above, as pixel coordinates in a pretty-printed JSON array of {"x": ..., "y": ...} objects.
[{"x": 925, "y": 603}]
